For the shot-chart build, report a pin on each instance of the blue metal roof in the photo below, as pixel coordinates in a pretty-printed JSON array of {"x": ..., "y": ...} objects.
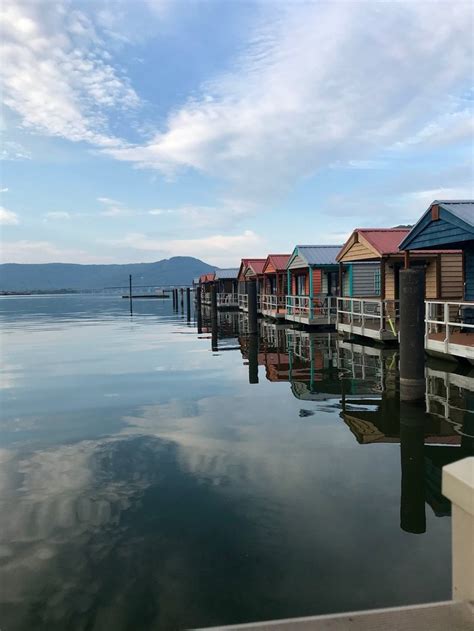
[
  {"x": 463, "y": 209},
  {"x": 453, "y": 226},
  {"x": 318, "y": 254},
  {"x": 229, "y": 272}
]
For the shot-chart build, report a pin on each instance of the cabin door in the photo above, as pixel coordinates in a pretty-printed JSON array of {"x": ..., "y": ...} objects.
[
  {"x": 333, "y": 283},
  {"x": 301, "y": 285}
]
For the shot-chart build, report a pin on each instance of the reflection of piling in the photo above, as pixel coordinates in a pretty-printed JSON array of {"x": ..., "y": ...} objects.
[
  {"x": 188, "y": 303},
  {"x": 412, "y": 502},
  {"x": 252, "y": 306},
  {"x": 412, "y": 324},
  {"x": 214, "y": 343},
  {"x": 253, "y": 358}
]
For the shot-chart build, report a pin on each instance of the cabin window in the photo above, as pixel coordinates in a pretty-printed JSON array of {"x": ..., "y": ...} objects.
[{"x": 377, "y": 282}]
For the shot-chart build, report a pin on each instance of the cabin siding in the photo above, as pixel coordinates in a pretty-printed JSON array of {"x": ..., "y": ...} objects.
[
  {"x": 346, "y": 282},
  {"x": 469, "y": 272},
  {"x": 298, "y": 262},
  {"x": 431, "y": 288},
  {"x": 357, "y": 252},
  {"x": 317, "y": 282},
  {"x": 451, "y": 276},
  {"x": 363, "y": 279}
]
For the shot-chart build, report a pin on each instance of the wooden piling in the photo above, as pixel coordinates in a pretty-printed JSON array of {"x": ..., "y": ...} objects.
[{"x": 188, "y": 303}]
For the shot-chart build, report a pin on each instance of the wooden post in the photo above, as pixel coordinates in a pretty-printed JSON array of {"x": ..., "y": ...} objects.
[
  {"x": 182, "y": 299},
  {"x": 213, "y": 302},
  {"x": 130, "y": 296},
  {"x": 188, "y": 303},
  {"x": 341, "y": 278}
]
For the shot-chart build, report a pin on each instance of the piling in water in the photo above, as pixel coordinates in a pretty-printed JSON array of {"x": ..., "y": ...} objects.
[
  {"x": 412, "y": 325},
  {"x": 252, "y": 306}
]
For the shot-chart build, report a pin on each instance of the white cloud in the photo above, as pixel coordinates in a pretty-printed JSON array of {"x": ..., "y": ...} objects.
[
  {"x": 8, "y": 217},
  {"x": 14, "y": 151},
  {"x": 27, "y": 251},
  {"x": 321, "y": 83},
  {"x": 114, "y": 208},
  {"x": 55, "y": 74},
  {"x": 3, "y": 190},
  {"x": 217, "y": 249},
  {"x": 57, "y": 215}
]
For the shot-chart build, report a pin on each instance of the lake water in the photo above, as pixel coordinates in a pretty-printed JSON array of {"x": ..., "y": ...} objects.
[{"x": 154, "y": 477}]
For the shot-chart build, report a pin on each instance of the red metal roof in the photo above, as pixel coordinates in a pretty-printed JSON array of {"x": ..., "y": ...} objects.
[
  {"x": 384, "y": 240},
  {"x": 255, "y": 264},
  {"x": 279, "y": 261},
  {"x": 206, "y": 278}
]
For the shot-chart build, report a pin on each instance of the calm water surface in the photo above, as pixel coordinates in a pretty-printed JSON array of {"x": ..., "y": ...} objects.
[{"x": 157, "y": 477}]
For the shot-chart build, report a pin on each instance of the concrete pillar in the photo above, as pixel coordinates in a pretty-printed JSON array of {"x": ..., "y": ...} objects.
[
  {"x": 412, "y": 438},
  {"x": 252, "y": 302},
  {"x": 412, "y": 334},
  {"x": 188, "y": 303},
  {"x": 458, "y": 486},
  {"x": 253, "y": 358}
]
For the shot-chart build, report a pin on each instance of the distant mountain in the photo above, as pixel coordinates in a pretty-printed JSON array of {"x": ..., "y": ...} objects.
[{"x": 178, "y": 270}]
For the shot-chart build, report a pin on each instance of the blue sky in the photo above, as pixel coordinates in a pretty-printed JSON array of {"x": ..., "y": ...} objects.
[{"x": 134, "y": 131}]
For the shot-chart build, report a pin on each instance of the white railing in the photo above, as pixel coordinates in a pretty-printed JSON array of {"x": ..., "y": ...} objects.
[
  {"x": 318, "y": 307},
  {"x": 271, "y": 302},
  {"x": 243, "y": 301},
  {"x": 227, "y": 300},
  {"x": 449, "y": 323},
  {"x": 362, "y": 313}
]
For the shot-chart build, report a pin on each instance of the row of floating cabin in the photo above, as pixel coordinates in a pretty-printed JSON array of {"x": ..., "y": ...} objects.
[{"x": 355, "y": 287}]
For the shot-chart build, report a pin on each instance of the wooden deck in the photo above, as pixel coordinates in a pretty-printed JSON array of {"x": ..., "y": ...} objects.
[{"x": 443, "y": 616}]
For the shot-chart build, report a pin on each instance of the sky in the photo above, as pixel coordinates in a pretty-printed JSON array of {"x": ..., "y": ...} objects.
[{"x": 134, "y": 131}]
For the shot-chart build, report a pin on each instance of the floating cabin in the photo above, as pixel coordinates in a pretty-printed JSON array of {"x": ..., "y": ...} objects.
[
  {"x": 205, "y": 283},
  {"x": 370, "y": 263},
  {"x": 250, "y": 269},
  {"x": 272, "y": 298},
  {"x": 313, "y": 284},
  {"x": 449, "y": 316},
  {"x": 225, "y": 282}
]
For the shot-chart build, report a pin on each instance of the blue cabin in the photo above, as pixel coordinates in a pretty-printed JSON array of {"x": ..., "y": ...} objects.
[
  {"x": 449, "y": 326},
  {"x": 447, "y": 224}
]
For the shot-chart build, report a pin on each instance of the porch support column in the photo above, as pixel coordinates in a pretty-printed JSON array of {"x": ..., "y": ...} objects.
[
  {"x": 412, "y": 328},
  {"x": 341, "y": 278},
  {"x": 288, "y": 288},
  {"x": 310, "y": 311}
]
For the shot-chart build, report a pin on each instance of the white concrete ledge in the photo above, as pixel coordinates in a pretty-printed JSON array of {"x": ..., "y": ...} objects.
[
  {"x": 443, "y": 616},
  {"x": 458, "y": 486}
]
